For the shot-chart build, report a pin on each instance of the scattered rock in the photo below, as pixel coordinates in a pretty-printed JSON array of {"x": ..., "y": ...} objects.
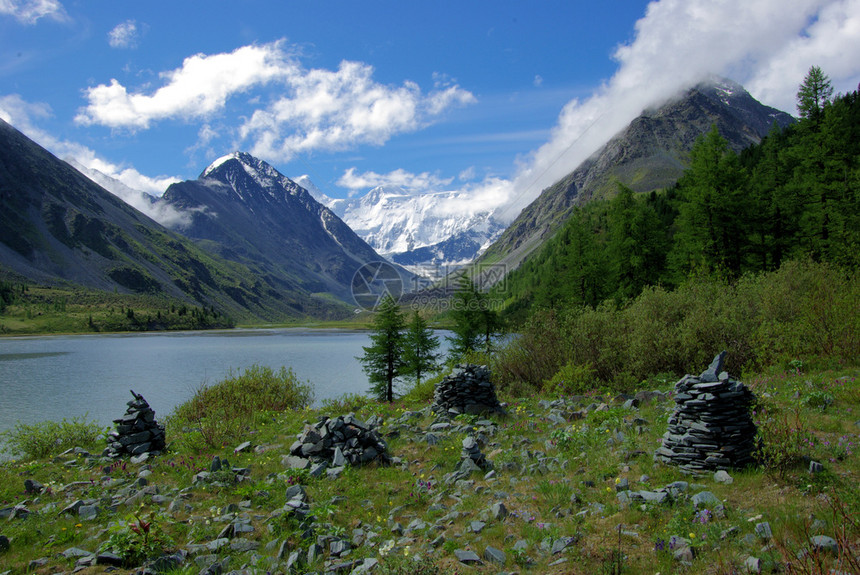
[
  {"x": 341, "y": 440},
  {"x": 753, "y": 564},
  {"x": 498, "y": 511},
  {"x": 494, "y": 555},
  {"x": 32, "y": 487},
  {"x": 477, "y": 526},
  {"x": 467, "y": 557},
  {"x": 824, "y": 543},
  {"x": 705, "y": 498},
  {"x": 723, "y": 477},
  {"x": 815, "y": 467},
  {"x": 763, "y": 530}
]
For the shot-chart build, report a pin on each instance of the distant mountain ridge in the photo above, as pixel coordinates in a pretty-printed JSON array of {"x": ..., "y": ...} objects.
[
  {"x": 245, "y": 210},
  {"x": 419, "y": 230},
  {"x": 650, "y": 154},
  {"x": 57, "y": 227}
]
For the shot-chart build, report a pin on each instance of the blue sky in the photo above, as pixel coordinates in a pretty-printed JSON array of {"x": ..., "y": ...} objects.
[{"x": 498, "y": 99}]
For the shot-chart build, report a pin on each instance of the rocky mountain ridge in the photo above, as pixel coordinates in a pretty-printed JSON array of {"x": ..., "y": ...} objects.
[
  {"x": 650, "y": 154},
  {"x": 58, "y": 227},
  {"x": 243, "y": 209}
]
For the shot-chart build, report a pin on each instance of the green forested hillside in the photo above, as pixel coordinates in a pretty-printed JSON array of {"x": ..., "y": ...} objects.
[{"x": 794, "y": 195}]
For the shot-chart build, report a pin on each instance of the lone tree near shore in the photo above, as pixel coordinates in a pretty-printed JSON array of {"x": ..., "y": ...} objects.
[
  {"x": 420, "y": 347},
  {"x": 383, "y": 359}
]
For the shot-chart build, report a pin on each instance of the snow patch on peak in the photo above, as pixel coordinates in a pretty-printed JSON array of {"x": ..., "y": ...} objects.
[{"x": 217, "y": 163}]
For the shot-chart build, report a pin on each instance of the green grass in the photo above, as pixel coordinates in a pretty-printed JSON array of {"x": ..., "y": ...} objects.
[
  {"x": 576, "y": 498},
  {"x": 48, "y": 438},
  {"x": 43, "y": 310}
]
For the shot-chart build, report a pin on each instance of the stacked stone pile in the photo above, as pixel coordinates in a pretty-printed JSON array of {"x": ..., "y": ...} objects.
[
  {"x": 711, "y": 427},
  {"x": 339, "y": 441},
  {"x": 471, "y": 456},
  {"x": 468, "y": 390},
  {"x": 136, "y": 432}
]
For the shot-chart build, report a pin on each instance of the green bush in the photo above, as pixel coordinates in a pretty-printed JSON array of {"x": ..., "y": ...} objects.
[
  {"x": 346, "y": 403},
  {"x": 784, "y": 440},
  {"x": 423, "y": 392},
  {"x": 224, "y": 412},
  {"x": 572, "y": 379},
  {"x": 804, "y": 309},
  {"x": 534, "y": 356},
  {"x": 48, "y": 438}
]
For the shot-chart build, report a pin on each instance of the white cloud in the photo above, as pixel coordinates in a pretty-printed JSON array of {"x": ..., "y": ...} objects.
[
  {"x": 205, "y": 136},
  {"x": 196, "y": 90},
  {"x": 21, "y": 114},
  {"x": 538, "y": 81},
  {"x": 335, "y": 110},
  {"x": 831, "y": 42},
  {"x": 467, "y": 174},
  {"x": 424, "y": 182},
  {"x": 767, "y": 45},
  {"x": 30, "y": 11},
  {"x": 312, "y": 109},
  {"x": 124, "y": 35}
]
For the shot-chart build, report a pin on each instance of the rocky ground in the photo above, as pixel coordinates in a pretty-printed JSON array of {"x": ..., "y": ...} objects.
[{"x": 557, "y": 485}]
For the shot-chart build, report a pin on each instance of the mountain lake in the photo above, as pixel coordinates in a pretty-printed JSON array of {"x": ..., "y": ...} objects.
[{"x": 65, "y": 376}]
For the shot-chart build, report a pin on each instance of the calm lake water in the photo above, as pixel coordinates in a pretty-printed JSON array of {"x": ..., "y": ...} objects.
[{"x": 52, "y": 377}]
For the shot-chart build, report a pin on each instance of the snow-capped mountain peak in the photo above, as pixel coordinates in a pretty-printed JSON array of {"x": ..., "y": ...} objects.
[
  {"x": 418, "y": 230},
  {"x": 247, "y": 175}
]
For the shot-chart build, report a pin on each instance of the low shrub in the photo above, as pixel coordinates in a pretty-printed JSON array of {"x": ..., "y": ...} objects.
[
  {"x": 572, "y": 379},
  {"x": 804, "y": 309},
  {"x": 48, "y": 438},
  {"x": 346, "y": 403},
  {"x": 532, "y": 357},
  {"x": 784, "y": 440},
  {"x": 136, "y": 540},
  {"x": 223, "y": 412},
  {"x": 423, "y": 392}
]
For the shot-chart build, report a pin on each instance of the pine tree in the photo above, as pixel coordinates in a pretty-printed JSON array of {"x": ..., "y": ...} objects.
[
  {"x": 711, "y": 223},
  {"x": 467, "y": 323},
  {"x": 474, "y": 319},
  {"x": 813, "y": 94},
  {"x": 420, "y": 347},
  {"x": 383, "y": 359},
  {"x": 637, "y": 243}
]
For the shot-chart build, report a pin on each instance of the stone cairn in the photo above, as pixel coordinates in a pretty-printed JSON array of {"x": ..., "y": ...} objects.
[
  {"x": 136, "y": 432},
  {"x": 467, "y": 390},
  {"x": 337, "y": 442},
  {"x": 471, "y": 457},
  {"x": 711, "y": 427}
]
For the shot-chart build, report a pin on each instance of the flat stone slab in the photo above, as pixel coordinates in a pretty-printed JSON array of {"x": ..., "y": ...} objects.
[{"x": 467, "y": 557}]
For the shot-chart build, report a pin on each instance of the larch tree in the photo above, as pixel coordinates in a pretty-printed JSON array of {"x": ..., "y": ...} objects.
[
  {"x": 813, "y": 94},
  {"x": 383, "y": 359},
  {"x": 419, "y": 349}
]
